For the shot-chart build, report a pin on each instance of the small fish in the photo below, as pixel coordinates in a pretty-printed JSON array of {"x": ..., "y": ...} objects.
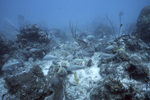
[
  {"x": 10, "y": 66},
  {"x": 75, "y": 78},
  {"x": 120, "y": 49},
  {"x": 49, "y": 57},
  {"x": 20, "y": 46},
  {"x": 59, "y": 70},
  {"x": 75, "y": 67},
  {"x": 121, "y": 25}
]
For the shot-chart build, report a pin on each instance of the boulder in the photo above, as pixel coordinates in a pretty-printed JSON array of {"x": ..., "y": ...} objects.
[
  {"x": 29, "y": 85},
  {"x": 143, "y": 24}
]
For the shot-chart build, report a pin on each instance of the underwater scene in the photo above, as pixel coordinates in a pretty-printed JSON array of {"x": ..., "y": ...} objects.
[{"x": 75, "y": 50}]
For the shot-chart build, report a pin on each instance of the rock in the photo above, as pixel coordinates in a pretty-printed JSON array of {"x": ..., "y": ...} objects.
[
  {"x": 138, "y": 72},
  {"x": 143, "y": 24},
  {"x": 29, "y": 85}
]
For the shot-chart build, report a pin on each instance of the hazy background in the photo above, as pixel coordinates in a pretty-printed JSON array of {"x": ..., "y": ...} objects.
[{"x": 58, "y": 13}]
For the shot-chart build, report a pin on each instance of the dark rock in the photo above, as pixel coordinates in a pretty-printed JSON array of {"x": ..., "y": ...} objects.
[
  {"x": 143, "y": 24},
  {"x": 29, "y": 85},
  {"x": 138, "y": 72}
]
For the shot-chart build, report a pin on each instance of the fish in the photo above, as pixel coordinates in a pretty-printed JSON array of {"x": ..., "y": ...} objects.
[
  {"x": 60, "y": 69},
  {"x": 75, "y": 67},
  {"x": 11, "y": 64},
  {"x": 49, "y": 57},
  {"x": 75, "y": 78}
]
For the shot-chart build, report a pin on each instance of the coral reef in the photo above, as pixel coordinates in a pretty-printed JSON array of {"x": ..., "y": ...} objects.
[{"x": 46, "y": 65}]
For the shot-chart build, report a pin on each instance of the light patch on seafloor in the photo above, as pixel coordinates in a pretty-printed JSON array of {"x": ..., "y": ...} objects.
[
  {"x": 45, "y": 66},
  {"x": 88, "y": 79}
]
